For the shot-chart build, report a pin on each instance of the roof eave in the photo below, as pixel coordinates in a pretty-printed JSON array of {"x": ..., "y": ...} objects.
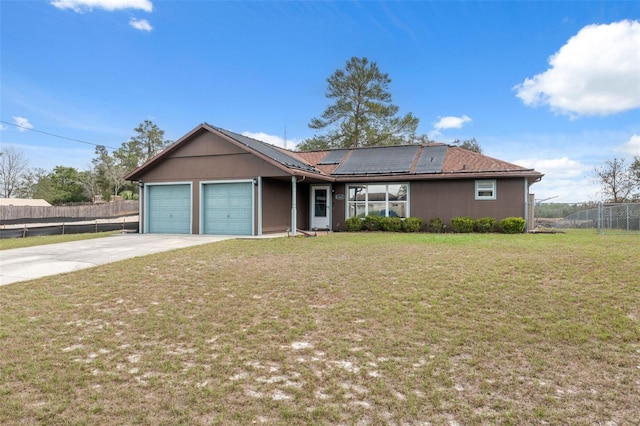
[{"x": 531, "y": 175}]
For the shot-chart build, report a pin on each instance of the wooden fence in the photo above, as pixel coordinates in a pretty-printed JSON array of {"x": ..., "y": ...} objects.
[{"x": 13, "y": 214}]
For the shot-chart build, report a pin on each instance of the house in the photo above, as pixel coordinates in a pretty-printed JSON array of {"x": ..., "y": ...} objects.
[
  {"x": 24, "y": 202},
  {"x": 214, "y": 181}
]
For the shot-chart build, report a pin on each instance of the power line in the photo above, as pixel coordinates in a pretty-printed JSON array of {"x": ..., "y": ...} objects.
[{"x": 56, "y": 136}]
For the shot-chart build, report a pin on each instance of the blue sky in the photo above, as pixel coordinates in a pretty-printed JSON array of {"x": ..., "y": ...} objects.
[{"x": 549, "y": 85}]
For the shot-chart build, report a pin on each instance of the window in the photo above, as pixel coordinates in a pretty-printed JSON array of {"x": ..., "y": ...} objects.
[
  {"x": 486, "y": 189},
  {"x": 378, "y": 200},
  {"x": 320, "y": 203}
]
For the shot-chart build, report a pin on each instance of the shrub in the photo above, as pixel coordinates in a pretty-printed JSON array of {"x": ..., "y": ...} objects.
[
  {"x": 485, "y": 224},
  {"x": 412, "y": 224},
  {"x": 436, "y": 225},
  {"x": 353, "y": 224},
  {"x": 372, "y": 223},
  {"x": 512, "y": 225},
  {"x": 462, "y": 224},
  {"x": 391, "y": 224}
]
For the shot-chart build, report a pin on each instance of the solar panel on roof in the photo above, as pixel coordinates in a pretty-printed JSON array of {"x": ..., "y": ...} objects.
[
  {"x": 269, "y": 150},
  {"x": 431, "y": 159},
  {"x": 334, "y": 157},
  {"x": 392, "y": 159}
]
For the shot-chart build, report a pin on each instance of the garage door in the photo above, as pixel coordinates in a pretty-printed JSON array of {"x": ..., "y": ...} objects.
[
  {"x": 228, "y": 208},
  {"x": 169, "y": 209}
]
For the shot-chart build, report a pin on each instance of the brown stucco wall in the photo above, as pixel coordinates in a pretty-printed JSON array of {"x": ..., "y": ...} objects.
[
  {"x": 338, "y": 207},
  {"x": 447, "y": 199},
  {"x": 451, "y": 198},
  {"x": 276, "y": 205}
]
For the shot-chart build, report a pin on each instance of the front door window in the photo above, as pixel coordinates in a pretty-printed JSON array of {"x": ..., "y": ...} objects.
[{"x": 320, "y": 202}]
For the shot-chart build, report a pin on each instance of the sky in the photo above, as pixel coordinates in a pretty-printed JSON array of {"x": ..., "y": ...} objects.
[{"x": 553, "y": 86}]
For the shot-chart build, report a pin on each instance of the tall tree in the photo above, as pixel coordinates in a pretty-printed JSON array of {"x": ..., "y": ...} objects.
[
  {"x": 33, "y": 184},
  {"x": 616, "y": 180},
  {"x": 361, "y": 113},
  {"x": 13, "y": 166},
  {"x": 109, "y": 172},
  {"x": 148, "y": 141}
]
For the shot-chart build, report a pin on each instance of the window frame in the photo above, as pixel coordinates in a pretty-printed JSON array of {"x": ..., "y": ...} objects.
[
  {"x": 478, "y": 189},
  {"x": 366, "y": 202}
]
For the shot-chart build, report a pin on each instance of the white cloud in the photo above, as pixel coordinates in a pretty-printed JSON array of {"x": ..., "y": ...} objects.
[
  {"x": 273, "y": 140},
  {"x": 632, "y": 146},
  {"x": 555, "y": 190},
  {"x": 81, "y": 6},
  {"x": 3, "y": 127},
  {"x": 140, "y": 24},
  {"x": 451, "y": 122},
  {"x": 566, "y": 180},
  {"x": 23, "y": 123},
  {"x": 562, "y": 167},
  {"x": 597, "y": 72}
]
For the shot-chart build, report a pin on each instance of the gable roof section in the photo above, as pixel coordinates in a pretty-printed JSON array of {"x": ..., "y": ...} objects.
[
  {"x": 430, "y": 161},
  {"x": 283, "y": 159},
  {"x": 271, "y": 151}
]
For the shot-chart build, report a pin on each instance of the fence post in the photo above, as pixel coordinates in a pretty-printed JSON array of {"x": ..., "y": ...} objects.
[
  {"x": 599, "y": 216},
  {"x": 627, "y": 216}
]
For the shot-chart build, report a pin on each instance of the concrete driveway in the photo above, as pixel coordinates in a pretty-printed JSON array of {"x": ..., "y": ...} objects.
[{"x": 34, "y": 262}]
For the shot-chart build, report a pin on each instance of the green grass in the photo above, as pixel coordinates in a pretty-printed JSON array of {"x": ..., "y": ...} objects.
[
  {"x": 12, "y": 243},
  {"x": 339, "y": 329}
]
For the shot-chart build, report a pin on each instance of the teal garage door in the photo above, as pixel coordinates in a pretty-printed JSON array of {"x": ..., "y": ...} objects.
[
  {"x": 228, "y": 208},
  {"x": 169, "y": 209}
]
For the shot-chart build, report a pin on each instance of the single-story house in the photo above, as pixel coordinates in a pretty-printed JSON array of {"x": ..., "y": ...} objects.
[
  {"x": 24, "y": 202},
  {"x": 214, "y": 181}
]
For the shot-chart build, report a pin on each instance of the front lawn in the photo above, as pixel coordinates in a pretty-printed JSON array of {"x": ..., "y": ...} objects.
[
  {"x": 338, "y": 329},
  {"x": 11, "y": 243}
]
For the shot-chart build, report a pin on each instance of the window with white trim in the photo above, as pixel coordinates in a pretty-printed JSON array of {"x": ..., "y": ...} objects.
[
  {"x": 378, "y": 199},
  {"x": 486, "y": 189}
]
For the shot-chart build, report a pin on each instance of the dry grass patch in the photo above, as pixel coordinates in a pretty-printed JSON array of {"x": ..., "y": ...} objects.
[{"x": 340, "y": 329}]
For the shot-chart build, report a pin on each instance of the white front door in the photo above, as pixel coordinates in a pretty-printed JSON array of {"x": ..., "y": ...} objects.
[{"x": 321, "y": 207}]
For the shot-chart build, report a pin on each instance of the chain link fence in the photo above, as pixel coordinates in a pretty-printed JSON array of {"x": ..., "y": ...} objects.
[{"x": 606, "y": 219}]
